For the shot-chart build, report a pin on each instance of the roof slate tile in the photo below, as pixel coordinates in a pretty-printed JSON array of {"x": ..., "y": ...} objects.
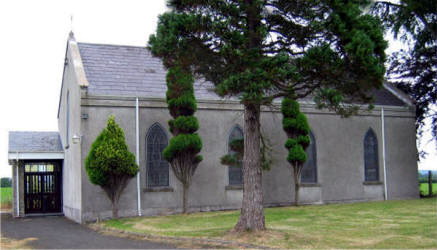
[
  {"x": 32, "y": 141},
  {"x": 118, "y": 70}
]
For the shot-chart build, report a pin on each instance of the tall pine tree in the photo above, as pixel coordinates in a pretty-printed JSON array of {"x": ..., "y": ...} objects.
[
  {"x": 414, "y": 22},
  {"x": 259, "y": 50}
]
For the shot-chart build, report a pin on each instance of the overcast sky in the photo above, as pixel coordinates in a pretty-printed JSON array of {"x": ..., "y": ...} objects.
[{"x": 32, "y": 49}]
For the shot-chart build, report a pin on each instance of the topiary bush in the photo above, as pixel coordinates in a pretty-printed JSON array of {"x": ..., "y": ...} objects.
[
  {"x": 183, "y": 148},
  {"x": 109, "y": 163},
  {"x": 296, "y": 127}
]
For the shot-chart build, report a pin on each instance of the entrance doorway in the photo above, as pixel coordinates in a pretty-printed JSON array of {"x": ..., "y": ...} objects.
[{"x": 42, "y": 187}]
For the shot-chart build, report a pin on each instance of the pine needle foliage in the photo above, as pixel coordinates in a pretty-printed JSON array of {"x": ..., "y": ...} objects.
[
  {"x": 414, "y": 22},
  {"x": 235, "y": 158},
  {"x": 259, "y": 50},
  {"x": 109, "y": 163}
]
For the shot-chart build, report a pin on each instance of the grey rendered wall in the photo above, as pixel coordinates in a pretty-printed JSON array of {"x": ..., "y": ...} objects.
[
  {"x": 340, "y": 159},
  {"x": 402, "y": 179},
  {"x": 94, "y": 200},
  {"x": 72, "y": 171},
  {"x": 208, "y": 189},
  {"x": 340, "y": 156}
]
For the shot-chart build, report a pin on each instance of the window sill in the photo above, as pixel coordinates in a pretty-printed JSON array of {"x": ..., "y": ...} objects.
[
  {"x": 309, "y": 185},
  {"x": 234, "y": 187},
  {"x": 372, "y": 183},
  {"x": 158, "y": 189}
]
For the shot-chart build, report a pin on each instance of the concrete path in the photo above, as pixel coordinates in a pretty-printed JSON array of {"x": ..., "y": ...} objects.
[{"x": 58, "y": 232}]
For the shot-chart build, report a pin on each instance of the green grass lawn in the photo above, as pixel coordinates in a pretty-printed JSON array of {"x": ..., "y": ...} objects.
[
  {"x": 390, "y": 224},
  {"x": 5, "y": 197},
  {"x": 424, "y": 188}
]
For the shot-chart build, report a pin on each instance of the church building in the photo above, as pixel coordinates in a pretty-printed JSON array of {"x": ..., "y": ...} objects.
[{"x": 369, "y": 156}]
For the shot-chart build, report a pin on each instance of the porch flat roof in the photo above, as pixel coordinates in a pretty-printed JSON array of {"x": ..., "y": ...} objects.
[
  {"x": 39, "y": 145},
  {"x": 36, "y": 156}
]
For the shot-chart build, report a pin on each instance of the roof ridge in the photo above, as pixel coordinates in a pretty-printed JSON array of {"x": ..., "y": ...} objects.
[{"x": 114, "y": 45}]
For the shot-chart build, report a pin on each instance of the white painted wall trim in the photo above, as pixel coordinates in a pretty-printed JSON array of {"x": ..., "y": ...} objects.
[
  {"x": 77, "y": 63},
  {"x": 36, "y": 156},
  {"x": 398, "y": 93},
  {"x": 17, "y": 181}
]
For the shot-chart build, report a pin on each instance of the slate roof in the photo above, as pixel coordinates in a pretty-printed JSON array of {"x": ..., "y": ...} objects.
[
  {"x": 384, "y": 97},
  {"x": 31, "y": 141},
  {"x": 117, "y": 70},
  {"x": 129, "y": 71}
]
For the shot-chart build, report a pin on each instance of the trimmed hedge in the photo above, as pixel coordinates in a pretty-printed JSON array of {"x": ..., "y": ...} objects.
[
  {"x": 182, "y": 144},
  {"x": 184, "y": 124},
  {"x": 185, "y": 144},
  {"x": 109, "y": 156},
  {"x": 297, "y": 128}
]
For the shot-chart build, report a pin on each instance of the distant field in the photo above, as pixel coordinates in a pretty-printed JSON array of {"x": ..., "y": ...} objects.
[
  {"x": 424, "y": 188},
  {"x": 5, "y": 197}
]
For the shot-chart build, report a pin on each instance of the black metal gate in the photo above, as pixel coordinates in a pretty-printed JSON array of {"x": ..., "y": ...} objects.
[{"x": 42, "y": 187}]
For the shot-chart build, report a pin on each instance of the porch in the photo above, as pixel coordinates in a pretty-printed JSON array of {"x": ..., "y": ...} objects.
[{"x": 37, "y": 160}]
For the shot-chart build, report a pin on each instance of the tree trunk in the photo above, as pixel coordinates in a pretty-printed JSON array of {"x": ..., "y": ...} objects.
[
  {"x": 296, "y": 191},
  {"x": 252, "y": 214},
  {"x": 296, "y": 175},
  {"x": 185, "y": 198},
  {"x": 114, "y": 204},
  {"x": 114, "y": 189}
]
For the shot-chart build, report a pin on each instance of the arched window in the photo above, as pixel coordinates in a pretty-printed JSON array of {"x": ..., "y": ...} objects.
[
  {"x": 157, "y": 166},
  {"x": 371, "y": 166},
  {"x": 309, "y": 170},
  {"x": 235, "y": 172}
]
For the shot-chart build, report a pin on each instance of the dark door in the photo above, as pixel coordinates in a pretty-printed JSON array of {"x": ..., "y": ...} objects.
[{"x": 42, "y": 182}]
